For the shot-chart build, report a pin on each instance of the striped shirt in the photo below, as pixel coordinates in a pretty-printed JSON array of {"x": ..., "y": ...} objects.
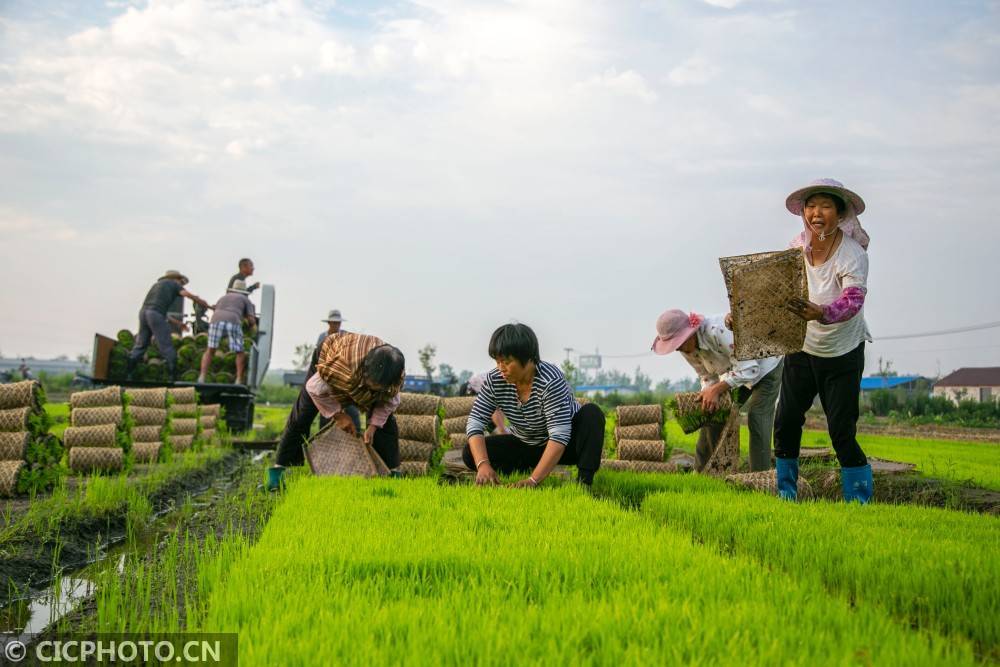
[{"x": 547, "y": 414}]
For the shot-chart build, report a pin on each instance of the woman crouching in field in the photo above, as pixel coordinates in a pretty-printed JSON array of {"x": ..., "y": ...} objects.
[
  {"x": 546, "y": 425},
  {"x": 832, "y": 360}
]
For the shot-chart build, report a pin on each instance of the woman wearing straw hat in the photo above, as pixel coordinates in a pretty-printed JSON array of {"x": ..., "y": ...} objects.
[
  {"x": 707, "y": 344},
  {"x": 232, "y": 310},
  {"x": 831, "y": 363}
]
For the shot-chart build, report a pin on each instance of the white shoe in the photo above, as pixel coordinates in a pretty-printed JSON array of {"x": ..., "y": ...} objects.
[{"x": 201, "y": 379}]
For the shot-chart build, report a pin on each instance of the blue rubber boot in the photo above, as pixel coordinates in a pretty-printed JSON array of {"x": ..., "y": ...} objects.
[
  {"x": 857, "y": 483},
  {"x": 788, "y": 478},
  {"x": 274, "y": 478}
]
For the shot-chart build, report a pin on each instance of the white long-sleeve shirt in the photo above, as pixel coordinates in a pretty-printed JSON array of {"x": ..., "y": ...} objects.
[{"x": 714, "y": 360}]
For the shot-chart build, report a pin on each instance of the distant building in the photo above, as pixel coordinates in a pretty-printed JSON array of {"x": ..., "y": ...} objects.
[
  {"x": 975, "y": 384},
  {"x": 47, "y": 366},
  {"x": 907, "y": 383},
  {"x": 294, "y": 378}
]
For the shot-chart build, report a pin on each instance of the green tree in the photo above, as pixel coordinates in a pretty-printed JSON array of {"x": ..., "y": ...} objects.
[
  {"x": 426, "y": 355},
  {"x": 303, "y": 355}
]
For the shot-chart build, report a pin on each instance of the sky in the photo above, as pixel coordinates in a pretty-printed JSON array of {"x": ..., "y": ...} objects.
[{"x": 437, "y": 168}]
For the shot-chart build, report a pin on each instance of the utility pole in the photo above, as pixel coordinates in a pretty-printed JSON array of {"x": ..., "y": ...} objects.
[{"x": 568, "y": 350}]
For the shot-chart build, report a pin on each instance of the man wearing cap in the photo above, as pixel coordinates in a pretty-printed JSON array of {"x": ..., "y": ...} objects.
[
  {"x": 231, "y": 311},
  {"x": 246, "y": 270},
  {"x": 154, "y": 322},
  {"x": 707, "y": 345}
]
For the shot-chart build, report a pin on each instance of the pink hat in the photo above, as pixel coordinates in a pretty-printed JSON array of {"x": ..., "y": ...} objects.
[{"x": 674, "y": 327}]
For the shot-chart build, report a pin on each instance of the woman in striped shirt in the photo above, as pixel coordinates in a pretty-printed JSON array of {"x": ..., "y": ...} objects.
[{"x": 546, "y": 425}]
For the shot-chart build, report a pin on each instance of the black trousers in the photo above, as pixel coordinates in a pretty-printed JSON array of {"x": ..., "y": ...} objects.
[
  {"x": 299, "y": 424},
  {"x": 508, "y": 454},
  {"x": 837, "y": 380}
]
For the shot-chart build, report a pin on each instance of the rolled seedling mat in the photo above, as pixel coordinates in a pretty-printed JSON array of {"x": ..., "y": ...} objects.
[
  {"x": 183, "y": 410},
  {"x": 759, "y": 287},
  {"x": 690, "y": 416},
  {"x": 631, "y": 415},
  {"x": 207, "y": 434},
  {"x": 455, "y": 424},
  {"x": 458, "y": 406},
  {"x": 184, "y": 395},
  {"x": 96, "y": 398},
  {"x": 10, "y": 471},
  {"x": 725, "y": 459},
  {"x": 639, "y": 432},
  {"x": 14, "y": 445},
  {"x": 458, "y": 440},
  {"x": 142, "y": 416},
  {"x": 181, "y": 443},
  {"x": 417, "y": 404},
  {"x": 414, "y": 468},
  {"x": 103, "y": 435},
  {"x": 213, "y": 410},
  {"x": 146, "y": 452},
  {"x": 184, "y": 426},
  {"x": 418, "y": 427},
  {"x": 766, "y": 481},
  {"x": 641, "y": 450},
  {"x": 97, "y": 416},
  {"x": 147, "y": 434},
  {"x": 29, "y": 418},
  {"x": 208, "y": 422},
  {"x": 28, "y": 393},
  {"x": 334, "y": 452},
  {"x": 638, "y": 466},
  {"x": 155, "y": 397},
  {"x": 412, "y": 450},
  {"x": 87, "y": 459}
]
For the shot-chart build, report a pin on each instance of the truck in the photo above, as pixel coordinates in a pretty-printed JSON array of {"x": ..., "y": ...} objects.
[{"x": 236, "y": 399}]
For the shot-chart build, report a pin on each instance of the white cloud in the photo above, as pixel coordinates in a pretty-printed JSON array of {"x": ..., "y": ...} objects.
[
  {"x": 695, "y": 71},
  {"x": 725, "y": 4},
  {"x": 628, "y": 83}
]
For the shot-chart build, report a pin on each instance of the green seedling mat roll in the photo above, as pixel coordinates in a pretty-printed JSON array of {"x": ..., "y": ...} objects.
[
  {"x": 458, "y": 406},
  {"x": 103, "y": 435},
  {"x": 641, "y": 450},
  {"x": 14, "y": 445},
  {"x": 631, "y": 415},
  {"x": 27, "y": 393},
  {"x": 213, "y": 410},
  {"x": 458, "y": 440},
  {"x": 334, "y": 452},
  {"x": 87, "y": 459},
  {"x": 766, "y": 481},
  {"x": 184, "y": 395},
  {"x": 183, "y": 410},
  {"x": 639, "y": 466},
  {"x": 691, "y": 417},
  {"x": 414, "y": 468},
  {"x": 639, "y": 432},
  {"x": 16, "y": 419},
  {"x": 155, "y": 397},
  {"x": 208, "y": 422},
  {"x": 97, "y": 416},
  {"x": 181, "y": 443},
  {"x": 97, "y": 398},
  {"x": 412, "y": 450},
  {"x": 146, "y": 452},
  {"x": 417, "y": 404},
  {"x": 418, "y": 427},
  {"x": 455, "y": 424},
  {"x": 10, "y": 471},
  {"x": 147, "y": 433},
  {"x": 207, "y": 434},
  {"x": 184, "y": 426},
  {"x": 148, "y": 416}
]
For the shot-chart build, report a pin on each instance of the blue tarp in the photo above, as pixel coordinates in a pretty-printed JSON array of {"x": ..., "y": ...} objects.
[{"x": 869, "y": 384}]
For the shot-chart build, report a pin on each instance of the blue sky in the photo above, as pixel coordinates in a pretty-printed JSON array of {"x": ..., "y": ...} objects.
[{"x": 437, "y": 168}]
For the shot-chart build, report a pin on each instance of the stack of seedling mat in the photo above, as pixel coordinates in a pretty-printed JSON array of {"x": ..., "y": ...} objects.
[
  {"x": 639, "y": 440},
  {"x": 151, "y": 368},
  {"x": 29, "y": 454},
  {"x": 151, "y": 428},
  {"x": 456, "y": 417},
  {"x": 209, "y": 420},
  {"x": 99, "y": 437},
  {"x": 417, "y": 418},
  {"x": 185, "y": 420}
]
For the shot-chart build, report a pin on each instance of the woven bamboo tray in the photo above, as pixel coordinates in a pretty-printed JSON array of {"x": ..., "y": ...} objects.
[
  {"x": 414, "y": 427},
  {"x": 97, "y": 398},
  {"x": 207, "y": 422},
  {"x": 15, "y": 419},
  {"x": 148, "y": 416},
  {"x": 767, "y": 481},
  {"x": 9, "y": 473},
  {"x": 184, "y": 426},
  {"x": 87, "y": 459},
  {"x": 759, "y": 288},
  {"x": 412, "y": 450},
  {"x": 641, "y": 450},
  {"x": 455, "y": 424},
  {"x": 414, "y": 468},
  {"x": 458, "y": 406},
  {"x": 632, "y": 415},
  {"x": 638, "y": 466},
  {"x": 213, "y": 410},
  {"x": 181, "y": 443},
  {"x": 104, "y": 435},
  {"x": 417, "y": 404},
  {"x": 690, "y": 416},
  {"x": 147, "y": 433},
  {"x": 725, "y": 460},
  {"x": 27, "y": 393},
  {"x": 458, "y": 440},
  {"x": 14, "y": 445},
  {"x": 184, "y": 395},
  {"x": 155, "y": 397},
  {"x": 96, "y": 416},
  {"x": 334, "y": 452},
  {"x": 146, "y": 452},
  {"x": 639, "y": 432}
]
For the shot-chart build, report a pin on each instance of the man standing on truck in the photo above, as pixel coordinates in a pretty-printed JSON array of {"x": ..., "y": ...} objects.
[
  {"x": 231, "y": 311},
  {"x": 246, "y": 270},
  {"x": 154, "y": 322}
]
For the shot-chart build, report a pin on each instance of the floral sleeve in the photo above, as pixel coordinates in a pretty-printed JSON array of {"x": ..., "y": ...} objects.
[{"x": 845, "y": 307}]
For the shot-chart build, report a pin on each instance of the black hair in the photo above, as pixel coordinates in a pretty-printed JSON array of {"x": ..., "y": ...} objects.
[
  {"x": 515, "y": 340},
  {"x": 245, "y": 260},
  {"x": 838, "y": 201},
  {"x": 384, "y": 365}
]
